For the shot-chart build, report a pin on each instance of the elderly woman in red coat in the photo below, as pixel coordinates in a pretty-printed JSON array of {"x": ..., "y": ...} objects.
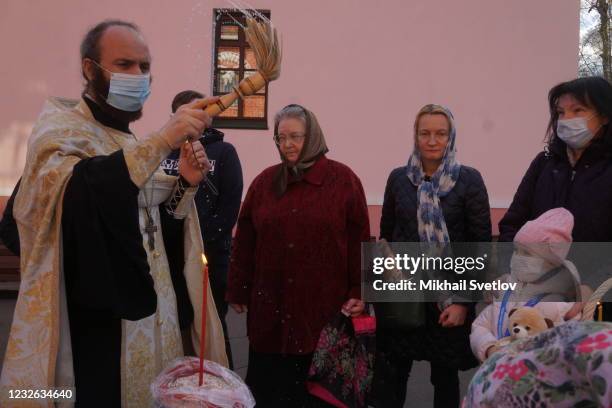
[{"x": 297, "y": 257}]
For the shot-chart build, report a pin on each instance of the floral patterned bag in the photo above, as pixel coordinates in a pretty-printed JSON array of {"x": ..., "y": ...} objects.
[
  {"x": 342, "y": 365},
  {"x": 567, "y": 366}
]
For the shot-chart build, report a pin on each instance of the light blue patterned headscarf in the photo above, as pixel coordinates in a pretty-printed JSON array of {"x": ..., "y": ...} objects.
[{"x": 432, "y": 227}]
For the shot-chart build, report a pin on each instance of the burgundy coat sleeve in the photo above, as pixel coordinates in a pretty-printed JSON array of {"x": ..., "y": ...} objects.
[
  {"x": 358, "y": 225},
  {"x": 242, "y": 262}
]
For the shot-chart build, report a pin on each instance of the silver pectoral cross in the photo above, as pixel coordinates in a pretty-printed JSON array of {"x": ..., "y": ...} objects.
[{"x": 151, "y": 229}]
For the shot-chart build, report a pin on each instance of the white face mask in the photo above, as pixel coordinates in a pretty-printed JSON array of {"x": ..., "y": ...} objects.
[
  {"x": 574, "y": 132},
  {"x": 528, "y": 268}
]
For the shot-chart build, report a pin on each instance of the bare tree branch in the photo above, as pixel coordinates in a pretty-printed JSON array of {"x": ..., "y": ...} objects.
[{"x": 595, "y": 45}]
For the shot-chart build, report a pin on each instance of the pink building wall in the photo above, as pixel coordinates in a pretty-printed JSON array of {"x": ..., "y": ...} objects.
[{"x": 363, "y": 67}]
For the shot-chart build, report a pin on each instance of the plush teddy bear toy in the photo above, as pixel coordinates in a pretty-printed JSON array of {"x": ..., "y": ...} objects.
[
  {"x": 527, "y": 321},
  {"x": 522, "y": 322}
]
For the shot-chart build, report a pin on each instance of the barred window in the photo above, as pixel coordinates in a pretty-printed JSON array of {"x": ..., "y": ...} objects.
[{"x": 233, "y": 61}]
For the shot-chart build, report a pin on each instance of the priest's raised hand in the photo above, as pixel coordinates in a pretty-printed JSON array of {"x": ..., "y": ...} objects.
[
  {"x": 193, "y": 163},
  {"x": 188, "y": 122}
]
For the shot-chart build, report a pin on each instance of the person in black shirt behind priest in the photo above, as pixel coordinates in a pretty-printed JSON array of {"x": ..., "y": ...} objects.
[{"x": 217, "y": 205}]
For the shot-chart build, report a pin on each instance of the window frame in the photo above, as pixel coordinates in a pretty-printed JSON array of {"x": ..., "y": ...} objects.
[{"x": 239, "y": 122}]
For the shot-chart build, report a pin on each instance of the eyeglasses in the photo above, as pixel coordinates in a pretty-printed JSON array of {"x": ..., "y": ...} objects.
[{"x": 293, "y": 138}]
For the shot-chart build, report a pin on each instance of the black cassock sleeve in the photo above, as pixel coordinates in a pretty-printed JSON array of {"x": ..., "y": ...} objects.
[
  {"x": 172, "y": 231},
  {"x": 105, "y": 263}
]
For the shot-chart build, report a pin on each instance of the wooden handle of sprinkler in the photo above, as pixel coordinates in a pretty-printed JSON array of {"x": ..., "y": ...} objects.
[{"x": 248, "y": 86}]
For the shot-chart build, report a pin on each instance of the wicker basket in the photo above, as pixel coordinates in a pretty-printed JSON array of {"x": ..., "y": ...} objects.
[{"x": 591, "y": 304}]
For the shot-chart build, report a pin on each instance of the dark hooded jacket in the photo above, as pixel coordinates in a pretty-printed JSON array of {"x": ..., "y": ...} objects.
[{"x": 217, "y": 213}]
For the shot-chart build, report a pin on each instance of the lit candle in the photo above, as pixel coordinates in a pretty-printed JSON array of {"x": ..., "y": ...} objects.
[
  {"x": 599, "y": 312},
  {"x": 203, "y": 331}
]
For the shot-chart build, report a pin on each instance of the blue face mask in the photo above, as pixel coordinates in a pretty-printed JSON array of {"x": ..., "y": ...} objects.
[{"x": 127, "y": 92}]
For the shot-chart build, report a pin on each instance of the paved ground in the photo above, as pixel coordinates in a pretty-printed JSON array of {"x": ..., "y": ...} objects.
[{"x": 420, "y": 391}]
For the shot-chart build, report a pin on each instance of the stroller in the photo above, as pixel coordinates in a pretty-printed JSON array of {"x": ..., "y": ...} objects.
[{"x": 567, "y": 366}]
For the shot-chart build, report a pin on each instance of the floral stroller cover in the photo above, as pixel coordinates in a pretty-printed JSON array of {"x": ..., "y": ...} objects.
[{"x": 567, "y": 366}]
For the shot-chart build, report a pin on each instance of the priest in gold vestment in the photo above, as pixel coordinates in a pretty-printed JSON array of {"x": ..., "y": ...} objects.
[{"x": 99, "y": 307}]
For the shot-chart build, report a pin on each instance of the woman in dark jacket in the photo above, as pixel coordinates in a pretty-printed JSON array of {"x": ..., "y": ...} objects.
[
  {"x": 297, "y": 257},
  {"x": 432, "y": 199},
  {"x": 574, "y": 171}
]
